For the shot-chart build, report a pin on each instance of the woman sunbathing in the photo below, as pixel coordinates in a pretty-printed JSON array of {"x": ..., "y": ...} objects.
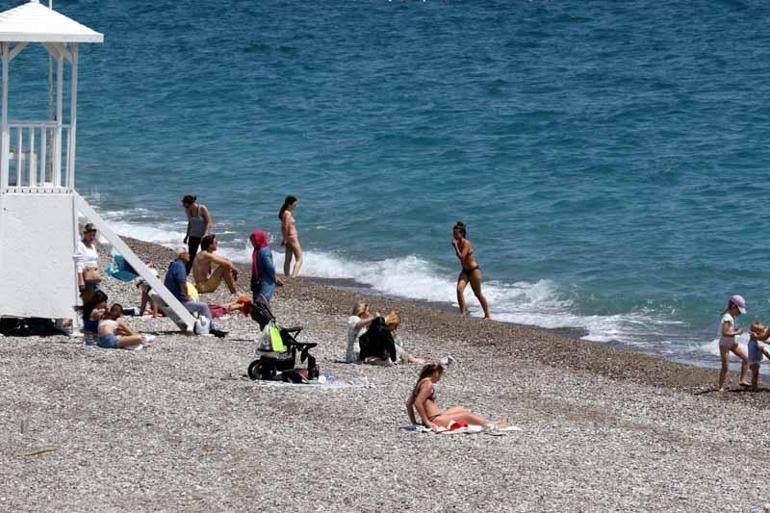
[
  {"x": 114, "y": 333},
  {"x": 423, "y": 398}
]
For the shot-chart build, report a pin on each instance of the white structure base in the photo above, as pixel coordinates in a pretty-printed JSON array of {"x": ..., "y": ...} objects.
[
  {"x": 37, "y": 272},
  {"x": 38, "y": 236}
]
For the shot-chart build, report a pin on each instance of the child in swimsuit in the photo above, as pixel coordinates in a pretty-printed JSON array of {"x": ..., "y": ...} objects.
[
  {"x": 727, "y": 343},
  {"x": 756, "y": 350}
]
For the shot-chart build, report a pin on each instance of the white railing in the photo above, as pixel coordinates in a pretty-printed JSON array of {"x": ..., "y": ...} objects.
[{"x": 38, "y": 157}]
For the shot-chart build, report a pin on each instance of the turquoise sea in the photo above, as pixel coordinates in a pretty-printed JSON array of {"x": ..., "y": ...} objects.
[{"x": 610, "y": 158}]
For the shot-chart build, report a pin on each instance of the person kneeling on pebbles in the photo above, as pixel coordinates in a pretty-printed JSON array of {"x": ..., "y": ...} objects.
[
  {"x": 114, "y": 333},
  {"x": 423, "y": 398},
  {"x": 393, "y": 320},
  {"x": 369, "y": 339},
  {"x": 358, "y": 324}
]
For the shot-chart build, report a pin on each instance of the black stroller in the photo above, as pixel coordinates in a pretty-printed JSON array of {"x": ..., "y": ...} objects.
[{"x": 280, "y": 365}]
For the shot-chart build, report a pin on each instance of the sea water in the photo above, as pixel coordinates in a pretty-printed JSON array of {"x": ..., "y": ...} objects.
[{"x": 608, "y": 157}]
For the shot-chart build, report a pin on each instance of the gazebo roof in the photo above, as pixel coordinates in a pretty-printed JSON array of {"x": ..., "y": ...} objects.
[{"x": 33, "y": 22}]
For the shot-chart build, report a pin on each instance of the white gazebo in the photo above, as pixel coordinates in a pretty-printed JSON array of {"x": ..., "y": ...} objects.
[{"x": 39, "y": 206}]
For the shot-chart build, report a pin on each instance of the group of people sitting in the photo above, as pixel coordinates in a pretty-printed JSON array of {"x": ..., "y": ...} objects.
[
  {"x": 373, "y": 338},
  {"x": 104, "y": 326},
  {"x": 209, "y": 271}
]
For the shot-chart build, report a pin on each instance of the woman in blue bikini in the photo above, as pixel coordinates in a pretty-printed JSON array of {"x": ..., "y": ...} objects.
[{"x": 469, "y": 269}]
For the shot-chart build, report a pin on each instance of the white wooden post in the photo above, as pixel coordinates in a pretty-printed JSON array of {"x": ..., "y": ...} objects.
[
  {"x": 73, "y": 118},
  {"x": 43, "y": 153},
  {"x": 59, "y": 111},
  {"x": 19, "y": 164},
  {"x": 32, "y": 157},
  {"x": 6, "y": 136}
]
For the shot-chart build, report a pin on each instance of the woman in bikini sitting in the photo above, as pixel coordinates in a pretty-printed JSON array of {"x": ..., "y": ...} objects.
[
  {"x": 290, "y": 237},
  {"x": 469, "y": 272},
  {"x": 423, "y": 398}
]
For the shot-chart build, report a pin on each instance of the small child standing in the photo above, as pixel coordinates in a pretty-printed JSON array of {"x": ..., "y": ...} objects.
[
  {"x": 727, "y": 343},
  {"x": 756, "y": 351}
]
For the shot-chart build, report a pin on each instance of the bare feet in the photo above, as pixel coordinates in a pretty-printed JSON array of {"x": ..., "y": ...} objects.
[{"x": 744, "y": 384}]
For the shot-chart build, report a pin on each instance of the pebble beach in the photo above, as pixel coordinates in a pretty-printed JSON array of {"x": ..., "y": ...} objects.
[{"x": 177, "y": 426}]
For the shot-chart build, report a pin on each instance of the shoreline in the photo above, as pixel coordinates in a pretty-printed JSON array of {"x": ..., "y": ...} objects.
[{"x": 547, "y": 346}]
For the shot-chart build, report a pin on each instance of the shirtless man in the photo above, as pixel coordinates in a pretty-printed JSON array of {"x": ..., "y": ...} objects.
[{"x": 208, "y": 279}]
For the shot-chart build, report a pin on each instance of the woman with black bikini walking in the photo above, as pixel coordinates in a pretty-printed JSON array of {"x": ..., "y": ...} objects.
[{"x": 469, "y": 269}]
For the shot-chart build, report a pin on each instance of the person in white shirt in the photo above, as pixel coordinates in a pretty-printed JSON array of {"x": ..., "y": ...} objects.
[
  {"x": 358, "y": 323},
  {"x": 727, "y": 343},
  {"x": 87, "y": 260}
]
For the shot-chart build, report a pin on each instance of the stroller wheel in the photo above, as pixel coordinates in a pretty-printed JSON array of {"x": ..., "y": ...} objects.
[{"x": 259, "y": 370}]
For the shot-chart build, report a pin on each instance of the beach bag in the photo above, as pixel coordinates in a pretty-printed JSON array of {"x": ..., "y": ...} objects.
[
  {"x": 270, "y": 339},
  {"x": 202, "y": 326},
  {"x": 120, "y": 269}
]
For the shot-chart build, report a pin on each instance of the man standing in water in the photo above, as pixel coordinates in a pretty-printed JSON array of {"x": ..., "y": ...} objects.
[{"x": 206, "y": 279}]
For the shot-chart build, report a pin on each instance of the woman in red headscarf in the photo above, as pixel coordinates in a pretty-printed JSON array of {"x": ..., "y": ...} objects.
[{"x": 263, "y": 278}]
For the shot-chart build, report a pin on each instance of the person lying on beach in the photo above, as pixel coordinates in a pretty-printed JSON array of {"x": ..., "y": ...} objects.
[
  {"x": 358, "y": 323},
  {"x": 114, "y": 333},
  {"x": 756, "y": 350},
  {"x": 470, "y": 272},
  {"x": 176, "y": 282},
  {"x": 207, "y": 278},
  {"x": 263, "y": 278},
  {"x": 94, "y": 308},
  {"x": 393, "y": 320},
  {"x": 423, "y": 398},
  {"x": 242, "y": 304},
  {"x": 727, "y": 343}
]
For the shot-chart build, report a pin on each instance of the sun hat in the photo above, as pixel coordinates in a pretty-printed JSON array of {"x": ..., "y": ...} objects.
[
  {"x": 739, "y": 302},
  {"x": 181, "y": 250},
  {"x": 89, "y": 228}
]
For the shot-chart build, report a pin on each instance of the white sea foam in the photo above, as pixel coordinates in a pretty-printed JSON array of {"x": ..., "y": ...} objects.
[{"x": 542, "y": 303}]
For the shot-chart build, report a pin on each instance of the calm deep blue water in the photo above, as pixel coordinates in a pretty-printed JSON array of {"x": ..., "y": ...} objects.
[{"x": 609, "y": 157}]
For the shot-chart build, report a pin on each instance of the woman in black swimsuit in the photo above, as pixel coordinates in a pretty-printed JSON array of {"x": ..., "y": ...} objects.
[
  {"x": 470, "y": 271},
  {"x": 423, "y": 399}
]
